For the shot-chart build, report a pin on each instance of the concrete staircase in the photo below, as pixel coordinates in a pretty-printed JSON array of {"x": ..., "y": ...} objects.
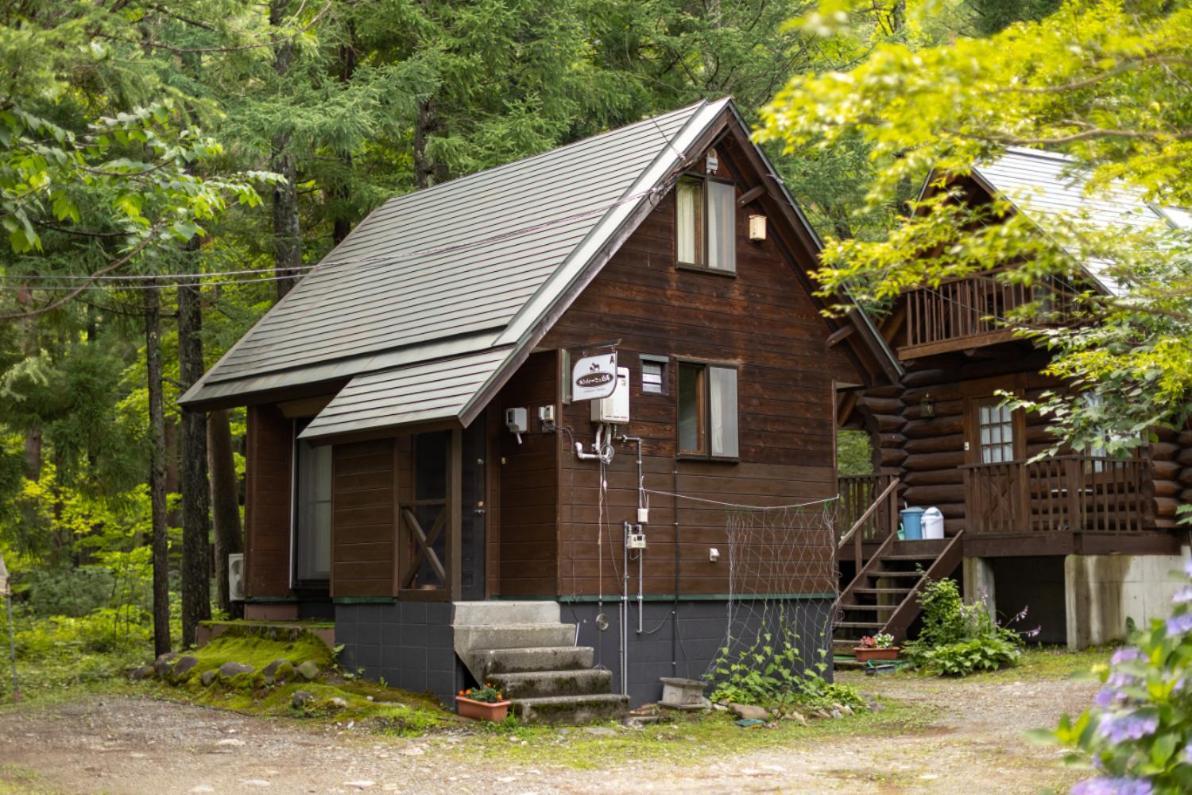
[{"x": 524, "y": 649}]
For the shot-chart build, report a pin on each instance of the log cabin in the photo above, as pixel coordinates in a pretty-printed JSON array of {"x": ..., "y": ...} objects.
[
  {"x": 420, "y": 471},
  {"x": 1087, "y": 541}
]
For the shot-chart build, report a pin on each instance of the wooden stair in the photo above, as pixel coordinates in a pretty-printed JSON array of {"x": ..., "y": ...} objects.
[{"x": 883, "y": 597}]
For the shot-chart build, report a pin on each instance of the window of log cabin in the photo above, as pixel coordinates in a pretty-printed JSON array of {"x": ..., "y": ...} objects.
[
  {"x": 995, "y": 427},
  {"x": 312, "y": 513},
  {"x": 706, "y": 224},
  {"x": 707, "y": 411}
]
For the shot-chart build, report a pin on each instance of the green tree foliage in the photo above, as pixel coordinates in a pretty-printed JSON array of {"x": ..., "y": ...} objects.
[{"x": 1104, "y": 81}]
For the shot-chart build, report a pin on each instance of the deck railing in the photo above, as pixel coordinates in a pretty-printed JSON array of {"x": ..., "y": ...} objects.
[
  {"x": 1078, "y": 493},
  {"x": 857, "y": 493},
  {"x": 972, "y": 309}
]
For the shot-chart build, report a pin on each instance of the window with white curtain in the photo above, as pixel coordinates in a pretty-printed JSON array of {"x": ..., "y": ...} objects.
[
  {"x": 996, "y": 427},
  {"x": 707, "y": 411},
  {"x": 312, "y": 515},
  {"x": 706, "y": 224}
]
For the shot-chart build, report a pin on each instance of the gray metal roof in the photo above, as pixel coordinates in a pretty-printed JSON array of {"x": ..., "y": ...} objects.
[
  {"x": 452, "y": 278},
  {"x": 1047, "y": 185},
  {"x": 404, "y": 395}
]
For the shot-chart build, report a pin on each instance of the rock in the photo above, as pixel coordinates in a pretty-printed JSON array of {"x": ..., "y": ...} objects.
[
  {"x": 309, "y": 670},
  {"x": 750, "y": 712},
  {"x": 230, "y": 669},
  {"x": 796, "y": 716},
  {"x": 142, "y": 672},
  {"x": 279, "y": 670},
  {"x": 163, "y": 663},
  {"x": 846, "y": 709},
  {"x": 335, "y": 702},
  {"x": 301, "y": 699},
  {"x": 182, "y": 667},
  {"x": 207, "y": 677}
]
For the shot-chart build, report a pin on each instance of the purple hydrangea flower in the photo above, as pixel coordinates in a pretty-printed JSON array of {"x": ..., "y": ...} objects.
[
  {"x": 1183, "y": 596},
  {"x": 1126, "y": 654},
  {"x": 1131, "y": 726},
  {"x": 1188, "y": 754},
  {"x": 1179, "y": 625},
  {"x": 1114, "y": 786},
  {"x": 1121, "y": 679},
  {"x": 1188, "y": 567},
  {"x": 1109, "y": 697}
]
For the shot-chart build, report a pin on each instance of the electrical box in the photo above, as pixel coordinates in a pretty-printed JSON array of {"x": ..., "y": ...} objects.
[
  {"x": 515, "y": 420},
  {"x": 635, "y": 537},
  {"x": 546, "y": 418},
  {"x": 614, "y": 409}
]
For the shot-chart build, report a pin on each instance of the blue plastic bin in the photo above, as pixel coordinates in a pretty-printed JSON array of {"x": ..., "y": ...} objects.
[{"x": 912, "y": 523}]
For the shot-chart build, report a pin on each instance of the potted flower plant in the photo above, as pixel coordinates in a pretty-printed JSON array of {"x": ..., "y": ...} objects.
[
  {"x": 482, "y": 703},
  {"x": 876, "y": 647}
]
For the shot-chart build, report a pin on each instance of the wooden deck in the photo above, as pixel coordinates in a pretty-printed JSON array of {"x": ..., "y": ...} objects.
[{"x": 1055, "y": 506}]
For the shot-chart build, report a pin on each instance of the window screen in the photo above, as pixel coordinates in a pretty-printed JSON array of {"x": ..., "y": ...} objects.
[
  {"x": 722, "y": 384},
  {"x": 997, "y": 433},
  {"x": 722, "y": 232},
  {"x": 312, "y": 558}
]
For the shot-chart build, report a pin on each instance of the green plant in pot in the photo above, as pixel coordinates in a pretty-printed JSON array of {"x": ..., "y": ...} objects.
[
  {"x": 876, "y": 647},
  {"x": 482, "y": 703}
]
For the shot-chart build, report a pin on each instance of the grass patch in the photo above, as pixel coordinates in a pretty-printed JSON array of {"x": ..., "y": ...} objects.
[
  {"x": 689, "y": 737},
  {"x": 1049, "y": 663},
  {"x": 16, "y": 779}
]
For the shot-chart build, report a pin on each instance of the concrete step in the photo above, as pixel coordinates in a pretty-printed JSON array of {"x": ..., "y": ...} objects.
[
  {"x": 469, "y": 637},
  {"x": 541, "y": 684},
  {"x": 570, "y": 709},
  {"x": 502, "y": 612},
  {"x": 544, "y": 658}
]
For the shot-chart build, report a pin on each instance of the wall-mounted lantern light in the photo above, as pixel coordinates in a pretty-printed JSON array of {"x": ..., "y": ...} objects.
[{"x": 927, "y": 407}]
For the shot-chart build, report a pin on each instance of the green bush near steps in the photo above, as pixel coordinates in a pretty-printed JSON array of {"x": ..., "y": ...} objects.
[{"x": 959, "y": 639}]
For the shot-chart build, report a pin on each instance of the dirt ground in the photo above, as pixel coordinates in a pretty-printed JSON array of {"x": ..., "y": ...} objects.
[{"x": 975, "y": 743}]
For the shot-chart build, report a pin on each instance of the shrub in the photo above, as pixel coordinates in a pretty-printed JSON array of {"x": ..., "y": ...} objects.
[
  {"x": 958, "y": 639},
  {"x": 773, "y": 674},
  {"x": 1138, "y": 730}
]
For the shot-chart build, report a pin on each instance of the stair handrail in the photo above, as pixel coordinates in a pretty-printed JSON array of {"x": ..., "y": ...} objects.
[{"x": 853, "y": 531}]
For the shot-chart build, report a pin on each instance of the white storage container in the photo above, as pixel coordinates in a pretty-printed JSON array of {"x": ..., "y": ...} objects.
[{"x": 933, "y": 523}]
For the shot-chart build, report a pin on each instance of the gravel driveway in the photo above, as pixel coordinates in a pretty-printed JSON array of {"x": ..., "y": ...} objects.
[{"x": 133, "y": 745}]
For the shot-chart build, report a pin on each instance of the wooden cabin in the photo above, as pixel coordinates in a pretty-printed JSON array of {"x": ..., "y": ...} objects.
[
  {"x": 420, "y": 471},
  {"x": 1085, "y": 540}
]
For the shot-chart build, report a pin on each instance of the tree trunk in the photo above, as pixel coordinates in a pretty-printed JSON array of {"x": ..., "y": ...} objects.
[
  {"x": 425, "y": 124},
  {"x": 287, "y": 234},
  {"x": 225, "y": 503},
  {"x": 196, "y": 492},
  {"x": 157, "y": 473},
  {"x": 342, "y": 224}
]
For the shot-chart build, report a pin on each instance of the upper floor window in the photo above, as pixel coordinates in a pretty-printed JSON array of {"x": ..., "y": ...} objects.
[
  {"x": 706, "y": 224},
  {"x": 707, "y": 410},
  {"x": 995, "y": 425}
]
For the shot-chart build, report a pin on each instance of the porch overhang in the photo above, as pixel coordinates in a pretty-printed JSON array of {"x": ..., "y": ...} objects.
[{"x": 442, "y": 391}]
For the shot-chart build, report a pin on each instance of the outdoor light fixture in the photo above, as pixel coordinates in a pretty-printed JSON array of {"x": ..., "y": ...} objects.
[
  {"x": 712, "y": 162},
  {"x": 757, "y": 228},
  {"x": 927, "y": 406}
]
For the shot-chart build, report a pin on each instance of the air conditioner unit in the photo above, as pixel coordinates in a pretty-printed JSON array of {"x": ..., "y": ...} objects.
[{"x": 236, "y": 577}]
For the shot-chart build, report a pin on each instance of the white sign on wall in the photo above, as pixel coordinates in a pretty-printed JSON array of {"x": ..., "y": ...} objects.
[{"x": 594, "y": 377}]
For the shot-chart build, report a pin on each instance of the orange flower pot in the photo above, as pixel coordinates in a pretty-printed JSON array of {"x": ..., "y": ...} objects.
[
  {"x": 481, "y": 710},
  {"x": 867, "y": 653}
]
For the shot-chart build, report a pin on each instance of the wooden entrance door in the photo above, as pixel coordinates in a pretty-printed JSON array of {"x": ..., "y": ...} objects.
[{"x": 473, "y": 512}]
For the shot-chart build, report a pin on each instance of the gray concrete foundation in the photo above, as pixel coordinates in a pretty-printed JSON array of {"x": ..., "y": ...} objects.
[{"x": 1103, "y": 593}]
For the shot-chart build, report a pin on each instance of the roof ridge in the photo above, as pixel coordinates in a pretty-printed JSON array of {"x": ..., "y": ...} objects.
[
  {"x": 1042, "y": 154},
  {"x": 554, "y": 150}
]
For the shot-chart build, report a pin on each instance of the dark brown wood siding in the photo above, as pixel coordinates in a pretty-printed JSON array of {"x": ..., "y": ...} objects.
[
  {"x": 528, "y": 472},
  {"x": 763, "y": 322},
  {"x": 363, "y": 519},
  {"x": 268, "y": 502}
]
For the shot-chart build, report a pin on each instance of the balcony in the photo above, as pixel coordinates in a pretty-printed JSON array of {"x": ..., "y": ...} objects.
[
  {"x": 1061, "y": 494},
  {"x": 969, "y": 313}
]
